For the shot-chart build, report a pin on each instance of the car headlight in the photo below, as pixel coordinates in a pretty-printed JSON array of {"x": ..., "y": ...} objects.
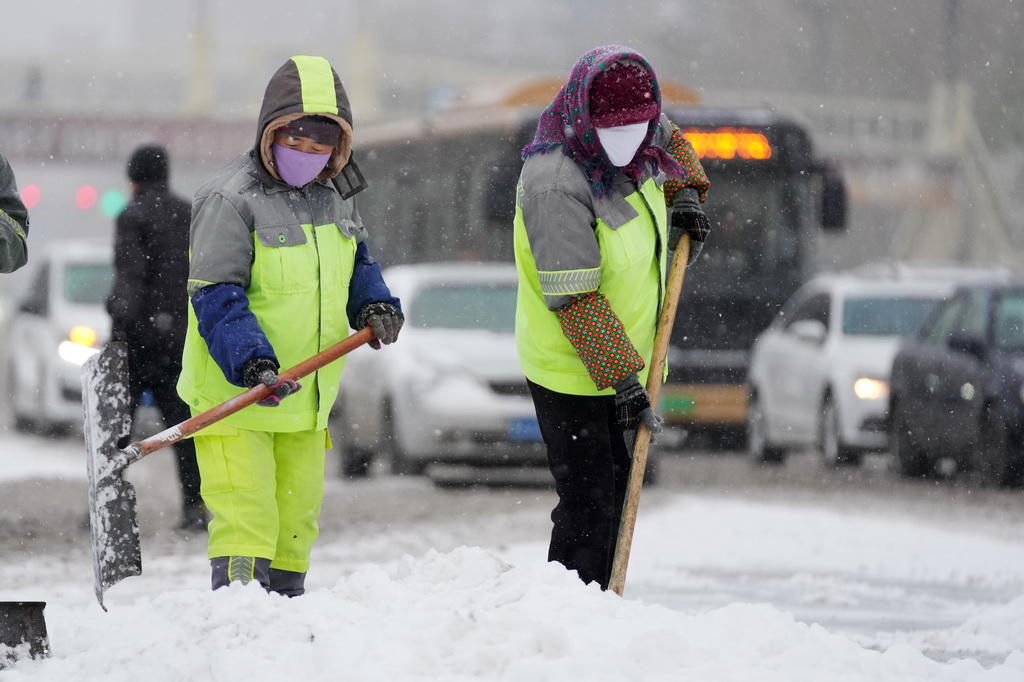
[
  {"x": 867, "y": 388},
  {"x": 79, "y": 346},
  {"x": 83, "y": 336}
]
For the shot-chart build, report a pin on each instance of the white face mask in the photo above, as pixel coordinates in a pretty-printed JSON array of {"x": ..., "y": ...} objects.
[{"x": 621, "y": 142}]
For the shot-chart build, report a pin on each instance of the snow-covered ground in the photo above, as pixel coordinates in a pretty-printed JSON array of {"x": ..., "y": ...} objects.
[{"x": 719, "y": 588}]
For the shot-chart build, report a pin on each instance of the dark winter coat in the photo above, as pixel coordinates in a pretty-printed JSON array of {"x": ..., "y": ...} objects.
[
  {"x": 13, "y": 221},
  {"x": 149, "y": 304}
]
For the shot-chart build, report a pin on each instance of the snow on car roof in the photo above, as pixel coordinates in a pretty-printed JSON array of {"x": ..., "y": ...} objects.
[
  {"x": 926, "y": 271},
  {"x": 897, "y": 277},
  {"x": 413, "y": 276}
]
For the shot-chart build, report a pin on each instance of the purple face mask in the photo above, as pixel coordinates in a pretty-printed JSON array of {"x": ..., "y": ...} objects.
[{"x": 298, "y": 168}]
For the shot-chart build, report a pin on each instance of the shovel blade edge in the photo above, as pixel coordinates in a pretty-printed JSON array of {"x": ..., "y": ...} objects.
[{"x": 113, "y": 510}]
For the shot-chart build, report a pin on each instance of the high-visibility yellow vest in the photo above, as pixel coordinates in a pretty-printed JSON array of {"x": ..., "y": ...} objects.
[
  {"x": 298, "y": 291},
  {"x": 632, "y": 279}
]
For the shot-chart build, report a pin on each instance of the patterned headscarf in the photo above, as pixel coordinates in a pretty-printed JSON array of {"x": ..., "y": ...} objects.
[{"x": 566, "y": 124}]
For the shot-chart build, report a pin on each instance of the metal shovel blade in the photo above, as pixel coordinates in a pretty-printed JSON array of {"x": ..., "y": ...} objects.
[
  {"x": 113, "y": 514},
  {"x": 22, "y": 623}
]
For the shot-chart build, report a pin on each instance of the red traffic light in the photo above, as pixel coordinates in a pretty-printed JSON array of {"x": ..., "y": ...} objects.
[
  {"x": 30, "y": 195},
  {"x": 86, "y": 197}
]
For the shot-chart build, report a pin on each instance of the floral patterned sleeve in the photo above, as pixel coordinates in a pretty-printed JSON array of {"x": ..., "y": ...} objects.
[{"x": 682, "y": 151}]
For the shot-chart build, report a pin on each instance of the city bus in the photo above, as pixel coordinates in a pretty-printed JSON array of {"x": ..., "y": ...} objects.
[{"x": 443, "y": 188}]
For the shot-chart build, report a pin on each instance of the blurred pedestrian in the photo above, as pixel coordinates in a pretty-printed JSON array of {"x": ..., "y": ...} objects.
[
  {"x": 280, "y": 270},
  {"x": 148, "y": 305},
  {"x": 13, "y": 221},
  {"x": 591, "y": 236}
]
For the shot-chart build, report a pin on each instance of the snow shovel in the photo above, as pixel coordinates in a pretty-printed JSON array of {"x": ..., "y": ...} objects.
[
  {"x": 113, "y": 516},
  {"x": 21, "y": 623},
  {"x": 673, "y": 287}
]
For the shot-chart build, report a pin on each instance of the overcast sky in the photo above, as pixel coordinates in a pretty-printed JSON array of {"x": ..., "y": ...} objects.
[{"x": 872, "y": 45}]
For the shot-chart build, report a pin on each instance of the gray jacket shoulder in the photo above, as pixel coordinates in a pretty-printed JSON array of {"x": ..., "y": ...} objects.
[
  {"x": 554, "y": 171},
  {"x": 230, "y": 183},
  {"x": 222, "y": 223}
]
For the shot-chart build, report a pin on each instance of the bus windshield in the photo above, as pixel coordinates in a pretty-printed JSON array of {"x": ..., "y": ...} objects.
[{"x": 753, "y": 238}]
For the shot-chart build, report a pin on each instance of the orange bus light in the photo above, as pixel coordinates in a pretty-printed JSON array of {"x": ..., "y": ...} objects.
[{"x": 729, "y": 143}]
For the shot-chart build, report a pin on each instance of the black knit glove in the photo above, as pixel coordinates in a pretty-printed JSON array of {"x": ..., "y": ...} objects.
[
  {"x": 384, "y": 319},
  {"x": 264, "y": 371},
  {"x": 633, "y": 406},
  {"x": 689, "y": 218}
]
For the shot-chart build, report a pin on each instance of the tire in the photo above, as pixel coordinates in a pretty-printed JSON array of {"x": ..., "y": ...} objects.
[
  {"x": 733, "y": 438},
  {"x": 997, "y": 462},
  {"x": 54, "y": 429},
  {"x": 400, "y": 464},
  {"x": 24, "y": 424},
  {"x": 355, "y": 462},
  {"x": 833, "y": 452},
  {"x": 759, "y": 449},
  {"x": 909, "y": 458}
]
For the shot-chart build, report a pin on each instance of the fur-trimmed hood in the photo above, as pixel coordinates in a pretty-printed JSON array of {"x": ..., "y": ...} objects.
[{"x": 304, "y": 86}]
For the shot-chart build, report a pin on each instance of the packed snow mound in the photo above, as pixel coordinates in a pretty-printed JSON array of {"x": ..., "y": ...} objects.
[{"x": 462, "y": 615}]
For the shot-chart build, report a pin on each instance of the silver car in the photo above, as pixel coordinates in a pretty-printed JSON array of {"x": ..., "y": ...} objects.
[
  {"x": 58, "y": 321},
  {"x": 450, "y": 390}
]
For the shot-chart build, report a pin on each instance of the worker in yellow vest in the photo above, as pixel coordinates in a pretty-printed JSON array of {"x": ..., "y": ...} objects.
[
  {"x": 591, "y": 236},
  {"x": 279, "y": 272}
]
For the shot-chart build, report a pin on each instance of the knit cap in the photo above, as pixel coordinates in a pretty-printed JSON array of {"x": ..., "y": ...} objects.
[
  {"x": 622, "y": 94},
  {"x": 320, "y": 129},
  {"x": 148, "y": 163}
]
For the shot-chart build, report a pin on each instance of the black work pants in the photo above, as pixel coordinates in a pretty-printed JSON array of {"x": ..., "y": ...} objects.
[{"x": 590, "y": 463}]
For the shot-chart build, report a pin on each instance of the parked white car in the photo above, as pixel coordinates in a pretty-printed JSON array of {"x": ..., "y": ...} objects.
[
  {"x": 450, "y": 390},
  {"x": 58, "y": 321},
  {"x": 819, "y": 374}
]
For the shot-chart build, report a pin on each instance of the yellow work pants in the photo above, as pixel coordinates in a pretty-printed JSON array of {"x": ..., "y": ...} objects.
[{"x": 265, "y": 491}]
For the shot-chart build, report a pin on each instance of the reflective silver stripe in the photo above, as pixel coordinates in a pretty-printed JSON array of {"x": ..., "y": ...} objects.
[{"x": 569, "y": 281}]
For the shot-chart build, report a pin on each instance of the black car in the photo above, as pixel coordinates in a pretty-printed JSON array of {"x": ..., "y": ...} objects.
[{"x": 956, "y": 388}]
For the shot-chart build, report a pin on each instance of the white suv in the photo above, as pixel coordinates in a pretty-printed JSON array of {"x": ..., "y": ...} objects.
[{"x": 819, "y": 374}]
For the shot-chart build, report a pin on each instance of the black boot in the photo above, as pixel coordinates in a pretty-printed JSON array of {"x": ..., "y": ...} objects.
[
  {"x": 288, "y": 583},
  {"x": 243, "y": 569}
]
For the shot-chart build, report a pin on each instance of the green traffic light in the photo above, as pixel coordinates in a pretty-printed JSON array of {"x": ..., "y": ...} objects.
[{"x": 112, "y": 203}]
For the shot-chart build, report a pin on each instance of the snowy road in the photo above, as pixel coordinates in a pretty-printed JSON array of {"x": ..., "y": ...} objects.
[{"x": 879, "y": 560}]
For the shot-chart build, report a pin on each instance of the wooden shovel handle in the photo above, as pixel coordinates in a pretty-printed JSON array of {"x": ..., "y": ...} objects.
[
  {"x": 137, "y": 451},
  {"x": 662, "y": 336}
]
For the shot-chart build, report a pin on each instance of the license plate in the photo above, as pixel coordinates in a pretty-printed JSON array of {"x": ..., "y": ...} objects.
[{"x": 524, "y": 430}]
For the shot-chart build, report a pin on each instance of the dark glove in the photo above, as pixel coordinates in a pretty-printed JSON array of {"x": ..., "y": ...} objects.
[
  {"x": 689, "y": 218},
  {"x": 264, "y": 371},
  {"x": 384, "y": 319},
  {"x": 633, "y": 406}
]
